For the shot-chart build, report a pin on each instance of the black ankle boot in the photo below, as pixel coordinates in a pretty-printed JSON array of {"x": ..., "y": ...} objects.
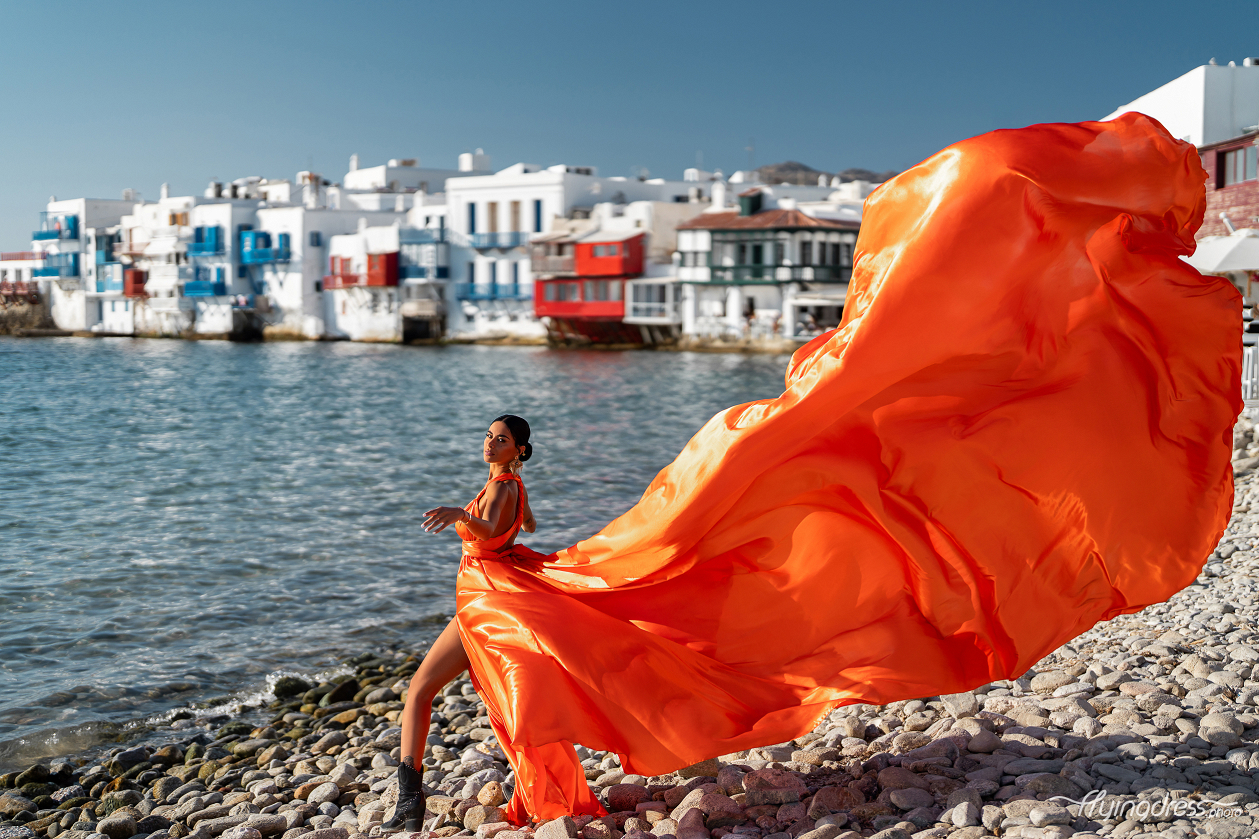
[{"x": 409, "y": 814}]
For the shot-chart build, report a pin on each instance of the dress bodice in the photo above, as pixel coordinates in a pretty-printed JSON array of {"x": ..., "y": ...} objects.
[{"x": 496, "y": 545}]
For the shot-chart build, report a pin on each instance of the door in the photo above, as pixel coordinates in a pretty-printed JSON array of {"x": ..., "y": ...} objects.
[{"x": 515, "y": 217}]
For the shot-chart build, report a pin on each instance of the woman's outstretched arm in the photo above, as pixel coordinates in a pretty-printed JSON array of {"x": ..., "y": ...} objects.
[{"x": 500, "y": 498}]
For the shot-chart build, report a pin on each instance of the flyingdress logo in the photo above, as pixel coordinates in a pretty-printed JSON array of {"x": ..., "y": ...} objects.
[{"x": 1094, "y": 806}]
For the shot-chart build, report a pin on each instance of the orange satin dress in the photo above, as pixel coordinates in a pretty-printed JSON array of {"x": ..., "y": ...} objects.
[{"x": 1021, "y": 427}]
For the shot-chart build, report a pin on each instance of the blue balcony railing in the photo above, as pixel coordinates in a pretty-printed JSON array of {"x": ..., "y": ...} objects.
[
  {"x": 424, "y": 272},
  {"x": 256, "y": 248},
  {"x": 206, "y": 241},
  {"x": 57, "y": 226},
  {"x": 497, "y": 240},
  {"x": 422, "y": 235},
  {"x": 109, "y": 277},
  {"x": 205, "y": 288},
  {"x": 61, "y": 265},
  {"x": 106, "y": 256},
  {"x": 492, "y": 291}
]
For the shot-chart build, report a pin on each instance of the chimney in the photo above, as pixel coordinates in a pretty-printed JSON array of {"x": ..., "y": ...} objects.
[
  {"x": 719, "y": 196},
  {"x": 165, "y": 192},
  {"x": 354, "y": 163}
]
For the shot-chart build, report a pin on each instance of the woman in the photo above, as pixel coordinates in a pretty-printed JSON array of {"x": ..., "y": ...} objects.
[
  {"x": 1021, "y": 427},
  {"x": 488, "y": 526}
]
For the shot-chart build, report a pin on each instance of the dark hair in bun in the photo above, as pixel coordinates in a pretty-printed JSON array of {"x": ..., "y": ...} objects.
[{"x": 519, "y": 429}]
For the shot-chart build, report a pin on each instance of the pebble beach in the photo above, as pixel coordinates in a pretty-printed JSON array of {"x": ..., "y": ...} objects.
[{"x": 1145, "y": 725}]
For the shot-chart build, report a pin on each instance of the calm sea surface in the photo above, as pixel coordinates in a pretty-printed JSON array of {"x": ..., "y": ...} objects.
[{"x": 180, "y": 521}]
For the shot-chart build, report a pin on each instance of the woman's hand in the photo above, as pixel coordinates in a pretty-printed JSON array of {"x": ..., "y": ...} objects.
[{"x": 439, "y": 518}]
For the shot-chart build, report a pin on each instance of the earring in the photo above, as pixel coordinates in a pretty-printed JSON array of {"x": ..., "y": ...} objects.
[{"x": 516, "y": 465}]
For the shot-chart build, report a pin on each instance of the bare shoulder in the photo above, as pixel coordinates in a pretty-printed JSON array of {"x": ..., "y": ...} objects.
[{"x": 500, "y": 489}]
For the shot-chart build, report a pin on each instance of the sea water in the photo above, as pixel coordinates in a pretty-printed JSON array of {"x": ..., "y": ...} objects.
[{"x": 181, "y": 521}]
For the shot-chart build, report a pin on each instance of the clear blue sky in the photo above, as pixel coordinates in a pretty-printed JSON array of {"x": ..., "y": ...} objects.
[{"x": 102, "y": 96}]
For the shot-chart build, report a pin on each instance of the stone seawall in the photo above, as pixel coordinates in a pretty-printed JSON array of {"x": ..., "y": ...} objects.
[{"x": 19, "y": 316}]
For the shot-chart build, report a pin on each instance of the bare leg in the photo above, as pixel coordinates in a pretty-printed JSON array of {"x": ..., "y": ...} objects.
[{"x": 444, "y": 661}]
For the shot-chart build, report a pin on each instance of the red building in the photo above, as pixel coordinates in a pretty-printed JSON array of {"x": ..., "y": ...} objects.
[
  {"x": 580, "y": 285},
  {"x": 1232, "y": 184}
]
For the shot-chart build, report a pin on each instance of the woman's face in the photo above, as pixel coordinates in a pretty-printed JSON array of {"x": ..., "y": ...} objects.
[{"x": 500, "y": 446}]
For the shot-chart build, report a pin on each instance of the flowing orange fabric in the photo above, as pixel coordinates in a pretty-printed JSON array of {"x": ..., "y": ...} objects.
[{"x": 1021, "y": 427}]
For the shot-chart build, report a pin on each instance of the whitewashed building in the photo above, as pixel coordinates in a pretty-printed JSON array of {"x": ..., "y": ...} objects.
[
  {"x": 766, "y": 269},
  {"x": 493, "y": 219},
  {"x": 1208, "y": 104}
]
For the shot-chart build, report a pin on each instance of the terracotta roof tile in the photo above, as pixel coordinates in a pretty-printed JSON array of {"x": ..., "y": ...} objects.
[{"x": 776, "y": 219}]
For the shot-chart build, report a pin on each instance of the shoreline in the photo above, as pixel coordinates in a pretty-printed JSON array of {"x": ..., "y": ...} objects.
[
  {"x": 739, "y": 346},
  {"x": 1147, "y": 722}
]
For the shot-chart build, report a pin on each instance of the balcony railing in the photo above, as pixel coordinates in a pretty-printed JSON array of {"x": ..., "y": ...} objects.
[
  {"x": 424, "y": 272},
  {"x": 20, "y": 256},
  {"x": 343, "y": 281},
  {"x": 652, "y": 310},
  {"x": 207, "y": 241},
  {"x": 60, "y": 265},
  {"x": 781, "y": 273},
  {"x": 492, "y": 291},
  {"x": 205, "y": 288},
  {"x": 422, "y": 236},
  {"x": 553, "y": 264},
  {"x": 129, "y": 248},
  {"x": 109, "y": 277},
  {"x": 57, "y": 226},
  {"x": 256, "y": 247},
  {"x": 497, "y": 240},
  {"x": 19, "y": 291}
]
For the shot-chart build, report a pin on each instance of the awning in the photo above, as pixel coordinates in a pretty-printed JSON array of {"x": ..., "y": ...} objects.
[{"x": 1238, "y": 251}]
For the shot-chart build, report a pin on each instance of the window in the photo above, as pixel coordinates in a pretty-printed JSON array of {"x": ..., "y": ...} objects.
[
  {"x": 570, "y": 292},
  {"x": 515, "y": 217},
  {"x": 607, "y": 250},
  {"x": 1239, "y": 165},
  {"x": 491, "y": 216},
  {"x": 845, "y": 253},
  {"x": 649, "y": 293},
  {"x": 472, "y": 272},
  {"x": 835, "y": 254},
  {"x": 316, "y": 239},
  {"x": 758, "y": 254},
  {"x": 494, "y": 271},
  {"x": 471, "y": 217},
  {"x": 806, "y": 253},
  {"x": 537, "y": 215},
  {"x": 780, "y": 252},
  {"x": 550, "y": 292},
  {"x": 515, "y": 273},
  {"x": 743, "y": 255}
]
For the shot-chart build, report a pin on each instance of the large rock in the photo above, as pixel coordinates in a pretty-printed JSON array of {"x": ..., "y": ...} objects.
[
  {"x": 480, "y": 814},
  {"x": 11, "y": 804},
  {"x": 897, "y": 777},
  {"x": 561, "y": 828},
  {"x": 623, "y": 797},
  {"x": 117, "y": 826},
  {"x": 910, "y": 798},
  {"x": 328, "y": 791},
  {"x": 837, "y": 798},
  {"x": 326, "y": 742},
  {"x": 960, "y": 705},
  {"x": 720, "y": 810},
  {"x": 1220, "y": 729},
  {"x": 691, "y": 825},
  {"x": 705, "y": 768}
]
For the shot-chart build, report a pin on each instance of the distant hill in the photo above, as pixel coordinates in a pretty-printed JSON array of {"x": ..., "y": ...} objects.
[{"x": 798, "y": 173}]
